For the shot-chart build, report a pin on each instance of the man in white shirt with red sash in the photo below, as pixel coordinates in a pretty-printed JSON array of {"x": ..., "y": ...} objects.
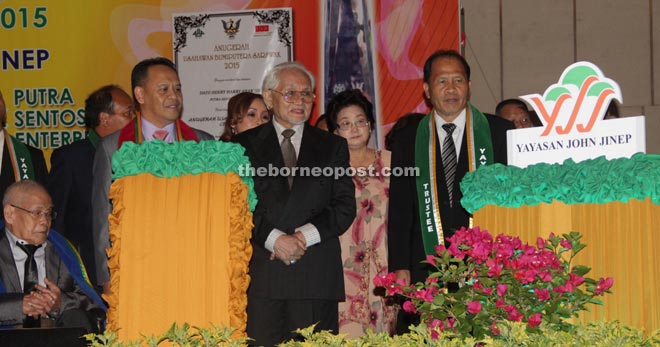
[
  {"x": 157, "y": 91},
  {"x": 451, "y": 140}
]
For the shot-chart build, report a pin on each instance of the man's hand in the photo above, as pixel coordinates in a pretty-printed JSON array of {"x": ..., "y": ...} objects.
[
  {"x": 32, "y": 306},
  {"x": 300, "y": 237},
  {"x": 288, "y": 248},
  {"x": 403, "y": 275},
  {"x": 50, "y": 296}
]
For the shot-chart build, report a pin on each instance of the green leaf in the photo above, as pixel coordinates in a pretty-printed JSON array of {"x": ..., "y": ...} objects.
[{"x": 581, "y": 270}]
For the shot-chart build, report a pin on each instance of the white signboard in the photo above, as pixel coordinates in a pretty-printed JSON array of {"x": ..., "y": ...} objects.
[
  {"x": 613, "y": 138},
  {"x": 572, "y": 112},
  {"x": 219, "y": 55}
]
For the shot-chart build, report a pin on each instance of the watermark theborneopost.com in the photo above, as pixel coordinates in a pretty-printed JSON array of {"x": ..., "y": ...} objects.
[{"x": 335, "y": 172}]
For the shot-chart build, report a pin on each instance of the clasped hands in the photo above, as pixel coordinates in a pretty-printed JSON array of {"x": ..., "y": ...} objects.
[
  {"x": 289, "y": 248},
  {"x": 42, "y": 300}
]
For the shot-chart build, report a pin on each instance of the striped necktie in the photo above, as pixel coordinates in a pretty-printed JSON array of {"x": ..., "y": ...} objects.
[
  {"x": 449, "y": 160},
  {"x": 288, "y": 152}
]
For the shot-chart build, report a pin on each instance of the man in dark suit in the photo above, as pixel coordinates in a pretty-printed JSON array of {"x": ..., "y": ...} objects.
[
  {"x": 157, "y": 91},
  {"x": 39, "y": 276},
  {"x": 451, "y": 140},
  {"x": 19, "y": 161},
  {"x": 296, "y": 270},
  {"x": 107, "y": 110}
]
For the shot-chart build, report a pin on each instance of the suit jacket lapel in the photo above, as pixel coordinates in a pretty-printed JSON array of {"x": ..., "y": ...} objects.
[
  {"x": 308, "y": 157},
  {"x": 267, "y": 147},
  {"x": 268, "y": 151},
  {"x": 309, "y": 151},
  {"x": 7, "y": 176},
  {"x": 7, "y": 266},
  {"x": 53, "y": 264}
]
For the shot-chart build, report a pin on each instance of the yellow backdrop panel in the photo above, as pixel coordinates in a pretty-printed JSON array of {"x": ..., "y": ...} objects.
[
  {"x": 621, "y": 240},
  {"x": 180, "y": 253}
]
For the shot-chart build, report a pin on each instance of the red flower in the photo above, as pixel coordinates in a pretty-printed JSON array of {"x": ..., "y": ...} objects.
[
  {"x": 514, "y": 315},
  {"x": 534, "y": 320},
  {"x": 540, "y": 242},
  {"x": 494, "y": 329},
  {"x": 494, "y": 268},
  {"x": 426, "y": 294},
  {"x": 542, "y": 294},
  {"x": 474, "y": 307},
  {"x": 503, "y": 250},
  {"x": 480, "y": 252},
  {"x": 437, "y": 324},
  {"x": 434, "y": 334},
  {"x": 409, "y": 307},
  {"x": 575, "y": 279},
  {"x": 566, "y": 244},
  {"x": 603, "y": 285},
  {"x": 501, "y": 289},
  {"x": 431, "y": 259},
  {"x": 385, "y": 281},
  {"x": 545, "y": 276}
]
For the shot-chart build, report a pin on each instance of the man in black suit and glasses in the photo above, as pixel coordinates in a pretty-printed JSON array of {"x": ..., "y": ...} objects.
[{"x": 296, "y": 269}]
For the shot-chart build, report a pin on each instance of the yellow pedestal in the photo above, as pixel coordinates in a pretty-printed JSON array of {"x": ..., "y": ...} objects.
[{"x": 180, "y": 253}]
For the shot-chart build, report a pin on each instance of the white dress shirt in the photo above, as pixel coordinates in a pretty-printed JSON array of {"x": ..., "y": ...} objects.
[
  {"x": 148, "y": 130},
  {"x": 457, "y": 135},
  {"x": 20, "y": 257}
]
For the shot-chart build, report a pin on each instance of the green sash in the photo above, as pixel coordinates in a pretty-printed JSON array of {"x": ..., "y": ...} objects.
[
  {"x": 21, "y": 161},
  {"x": 480, "y": 152},
  {"x": 93, "y": 137}
]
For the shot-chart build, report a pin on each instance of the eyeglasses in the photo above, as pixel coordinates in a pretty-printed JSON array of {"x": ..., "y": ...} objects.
[
  {"x": 48, "y": 214},
  {"x": 292, "y": 96},
  {"x": 346, "y": 125}
]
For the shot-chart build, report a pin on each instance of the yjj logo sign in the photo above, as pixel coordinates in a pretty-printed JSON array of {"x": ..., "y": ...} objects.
[{"x": 576, "y": 102}]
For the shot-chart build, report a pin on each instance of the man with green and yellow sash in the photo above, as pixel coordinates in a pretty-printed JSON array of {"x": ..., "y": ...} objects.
[
  {"x": 451, "y": 140},
  {"x": 18, "y": 160}
]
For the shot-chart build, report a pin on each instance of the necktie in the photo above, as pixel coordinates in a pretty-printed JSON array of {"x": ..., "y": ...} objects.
[
  {"x": 160, "y": 134},
  {"x": 30, "y": 279},
  {"x": 288, "y": 152},
  {"x": 449, "y": 160}
]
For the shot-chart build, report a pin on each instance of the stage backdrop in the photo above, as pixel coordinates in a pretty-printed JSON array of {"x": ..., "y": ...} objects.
[{"x": 54, "y": 53}]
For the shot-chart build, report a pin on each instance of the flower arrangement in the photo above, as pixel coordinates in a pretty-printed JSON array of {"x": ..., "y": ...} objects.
[{"x": 500, "y": 279}]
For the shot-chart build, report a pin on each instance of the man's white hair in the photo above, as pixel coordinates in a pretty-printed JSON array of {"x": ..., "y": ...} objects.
[{"x": 272, "y": 80}]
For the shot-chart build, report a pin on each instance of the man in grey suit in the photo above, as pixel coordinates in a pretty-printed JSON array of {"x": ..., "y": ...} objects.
[
  {"x": 157, "y": 91},
  {"x": 40, "y": 276}
]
